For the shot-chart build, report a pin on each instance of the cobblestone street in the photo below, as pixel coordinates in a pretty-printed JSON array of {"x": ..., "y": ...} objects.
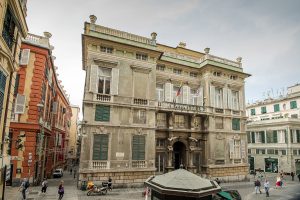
[{"x": 290, "y": 190}]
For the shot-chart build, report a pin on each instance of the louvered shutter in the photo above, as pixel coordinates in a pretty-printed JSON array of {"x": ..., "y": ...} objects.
[
  {"x": 224, "y": 103},
  {"x": 168, "y": 92},
  {"x": 243, "y": 149},
  {"x": 102, "y": 113},
  {"x": 200, "y": 96},
  {"x": 24, "y": 60},
  {"x": 263, "y": 138},
  {"x": 186, "y": 95},
  {"x": 138, "y": 147},
  {"x": 231, "y": 148},
  {"x": 2, "y": 91},
  {"x": 229, "y": 98},
  {"x": 212, "y": 96},
  {"x": 252, "y": 137},
  {"x": 100, "y": 147},
  {"x": 115, "y": 81},
  {"x": 275, "y": 137},
  {"x": 96, "y": 147},
  {"x": 20, "y": 104},
  {"x": 93, "y": 78},
  {"x": 241, "y": 100}
]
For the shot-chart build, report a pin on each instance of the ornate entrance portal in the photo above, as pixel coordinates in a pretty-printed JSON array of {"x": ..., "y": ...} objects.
[{"x": 179, "y": 158}]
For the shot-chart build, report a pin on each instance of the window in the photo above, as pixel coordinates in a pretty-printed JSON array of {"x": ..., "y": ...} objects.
[
  {"x": 139, "y": 116},
  {"x": 140, "y": 56},
  {"x": 218, "y": 97},
  {"x": 179, "y": 121},
  {"x": 160, "y": 160},
  {"x": 237, "y": 149},
  {"x": 102, "y": 113},
  {"x": 8, "y": 29},
  {"x": 263, "y": 151},
  {"x": 106, "y": 49},
  {"x": 138, "y": 147},
  {"x": 295, "y": 152},
  {"x": 177, "y": 71},
  {"x": 16, "y": 84},
  {"x": 253, "y": 111},
  {"x": 217, "y": 73},
  {"x": 160, "y": 67},
  {"x": 282, "y": 136},
  {"x": 2, "y": 91},
  {"x": 248, "y": 137},
  {"x": 193, "y": 74},
  {"x": 293, "y": 104},
  {"x": 295, "y": 116},
  {"x": 236, "y": 124},
  {"x": 249, "y": 151},
  {"x": 177, "y": 90},
  {"x": 276, "y": 108},
  {"x": 161, "y": 120},
  {"x": 257, "y": 151},
  {"x": 276, "y": 152},
  {"x": 160, "y": 142},
  {"x": 298, "y": 136},
  {"x": 283, "y": 152},
  {"x": 270, "y": 151},
  {"x": 263, "y": 110},
  {"x": 272, "y": 136},
  {"x": 235, "y": 100},
  {"x": 104, "y": 80},
  {"x": 159, "y": 92},
  {"x": 194, "y": 93},
  {"x": 260, "y": 137},
  {"x": 233, "y": 77},
  {"x": 100, "y": 147},
  {"x": 219, "y": 122}
]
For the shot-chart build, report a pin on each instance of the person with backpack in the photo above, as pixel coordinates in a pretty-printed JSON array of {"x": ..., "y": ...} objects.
[
  {"x": 23, "y": 187},
  {"x": 44, "y": 185},
  {"x": 257, "y": 185},
  {"x": 61, "y": 190}
]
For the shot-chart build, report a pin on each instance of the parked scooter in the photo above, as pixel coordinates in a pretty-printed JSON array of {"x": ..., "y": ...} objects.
[{"x": 94, "y": 189}]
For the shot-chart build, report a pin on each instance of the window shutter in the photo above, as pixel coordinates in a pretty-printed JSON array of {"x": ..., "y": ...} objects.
[
  {"x": 229, "y": 98},
  {"x": 20, "y": 104},
  {"x": 17, "y": 84},
  {"x": 2, "y": 91},
  {"x": 252, "y": 137},
  {"x": 102, "y": 113},
  {"x": 93, "y": 78},
  {"x": 243, "y": 149},
  {"x": 241, "y": 100},
  {"x": 135, "y": 147},
  {"x": 212, "y": 96},
  {"x": 115, "y": 81},
  {"x": 138, "y": 147},
  {"x": 263, "y": 139},
  {"x": 231, "y": 149},
  {"x": 96, "y": 147},
  {"x": 168, "y": 92},
  {"x": 275, "y": 137},
  {"x": 103, "y": 147},
  {"x": 25, "y": 57},
  {"x": 200, "y": 96},
  {"x": 186, "y": 95},
  {"x": 224, "y": 103}
]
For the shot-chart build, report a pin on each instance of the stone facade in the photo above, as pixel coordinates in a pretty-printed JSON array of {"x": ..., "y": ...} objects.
[
  {"x": 153, "y": 108},
  {"x": 273, "y": 130}
]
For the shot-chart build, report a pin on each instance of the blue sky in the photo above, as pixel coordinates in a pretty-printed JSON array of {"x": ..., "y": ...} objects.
[{"x": 266, "y": 33}]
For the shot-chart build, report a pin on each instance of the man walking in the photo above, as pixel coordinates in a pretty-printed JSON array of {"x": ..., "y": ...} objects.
[
  {"x": 23, "y": 187},
  {"x": 257, "y": 185},
  {"x": 299, "y": 177},
  {"x": 44, "y": 185},
  {"x": 292, "y": 175},
  {"x": 267, "y": 187}
]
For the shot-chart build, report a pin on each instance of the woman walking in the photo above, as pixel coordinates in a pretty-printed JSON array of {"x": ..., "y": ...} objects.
[{"x": 61, "y": 190}]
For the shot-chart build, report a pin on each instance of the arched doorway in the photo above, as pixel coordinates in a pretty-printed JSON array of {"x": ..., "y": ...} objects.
[{"x": 179, "y": 155}]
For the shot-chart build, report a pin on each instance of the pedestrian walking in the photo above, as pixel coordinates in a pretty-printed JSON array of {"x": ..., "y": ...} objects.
[
  {"x": 257, "y": 185},
  {"x": 299, "y": 177},
  {"x": 44, "y": 185},
  {"x": 74, "y": 173},
  {"x": 23, "y": 187},
  {"x": 267, "y": 187},
  {"x": 61, "y": 190},
  {"x": 71, "y": 171},
  {"x": 292, "y": 175}
]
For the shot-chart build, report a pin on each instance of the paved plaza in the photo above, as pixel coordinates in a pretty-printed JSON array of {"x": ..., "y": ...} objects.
[{"x": 290, "y": 190}]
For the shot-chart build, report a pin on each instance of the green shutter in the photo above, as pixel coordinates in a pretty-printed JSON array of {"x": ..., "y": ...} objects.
[
  {"x": 269, "y": 137},
  {"x": 235, "y": 124},
  {"x": 253, "y": 111},
  {"x": 253, "y": 137},
  {"x": 100, "y": 147},
  {"x": 293, "y": 104},
  {"x": 138, "y": 147},
  {"x": 274, "y": 137},
  {"x": 263, "y": 140},
  {"x": 298, "y": 136},
  {"x": 102, "y": 113},
  {"x": 263, "y": 110},
  {"x": 2, "y": 91},
  {"x": 248, "y": 137},
  {"x": 285, "y": 136},
  {"x": 276, "y": 108},
  {"x": 291, "y": 136}
]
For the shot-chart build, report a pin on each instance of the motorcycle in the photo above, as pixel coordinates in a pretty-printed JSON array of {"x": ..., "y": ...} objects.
[{"x": 94, "y": 189}]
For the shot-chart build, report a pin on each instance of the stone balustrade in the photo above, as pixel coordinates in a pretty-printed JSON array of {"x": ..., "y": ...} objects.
[
  {"x": 181, "y": 107},
  {"x": 221, "y": 60},
  {"x": 96, "y": 164},
  {"x": 138, "y": 164}
]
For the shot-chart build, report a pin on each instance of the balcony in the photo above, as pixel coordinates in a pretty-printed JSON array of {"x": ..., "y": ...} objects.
[
  {"x": 180, "y": 107},
  {"x": 138, "y": 164},
  {"x": 217, "y": 59},
  {"x": 96, "y": 164},
  {"x": 103, "y": 98},
  {"x": 140, "y": 101}
]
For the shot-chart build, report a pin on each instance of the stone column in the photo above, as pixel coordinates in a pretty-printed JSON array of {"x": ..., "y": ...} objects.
[
  {"x": 193, "y": 122},
  {"x": 169, "y": 164},
  {"x": 171, "y": 120}
]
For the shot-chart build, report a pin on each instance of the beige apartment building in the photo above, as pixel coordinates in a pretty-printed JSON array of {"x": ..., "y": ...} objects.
[
  {"x": 150, "y": 108},
  {"x": 273, "y": 131},
  {"x": 73, "y": 136},
  {"x": 13, "y": 28}
]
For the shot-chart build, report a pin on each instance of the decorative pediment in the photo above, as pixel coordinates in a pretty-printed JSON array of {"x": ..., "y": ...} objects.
[
  {"x": 237, "y": 137},
  {"x": 100, "y": 130},
  {"x": 105, "y": 62},
  {"x": 142, "y": 69},
  {"x": 220, "y": 136}
]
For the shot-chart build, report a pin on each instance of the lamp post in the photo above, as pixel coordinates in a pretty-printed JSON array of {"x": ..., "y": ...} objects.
[{"x": 41, "y": 140}]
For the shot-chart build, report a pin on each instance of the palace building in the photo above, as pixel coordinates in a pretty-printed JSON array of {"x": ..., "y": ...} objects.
[{"x": 149, "y": 108}]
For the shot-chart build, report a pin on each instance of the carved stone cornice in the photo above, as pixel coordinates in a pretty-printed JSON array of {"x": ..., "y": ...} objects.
[
  {"x": 139, "y": 68},
  {"x": 106, "y": 62}
]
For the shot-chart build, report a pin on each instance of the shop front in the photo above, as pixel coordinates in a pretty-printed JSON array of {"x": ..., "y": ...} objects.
[{"x": 271, "y": 165}]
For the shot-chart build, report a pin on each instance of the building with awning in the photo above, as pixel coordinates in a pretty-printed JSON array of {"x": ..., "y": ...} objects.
[{"x": 181, "y": 184}]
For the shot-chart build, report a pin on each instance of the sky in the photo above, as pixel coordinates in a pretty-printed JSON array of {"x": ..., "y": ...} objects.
[{"x": 265, "y": 33}]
